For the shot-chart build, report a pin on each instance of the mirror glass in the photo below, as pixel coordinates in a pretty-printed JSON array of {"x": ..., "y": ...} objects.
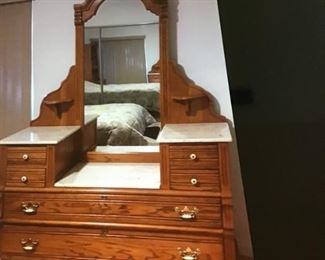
[{"x": 121, "y": 48}]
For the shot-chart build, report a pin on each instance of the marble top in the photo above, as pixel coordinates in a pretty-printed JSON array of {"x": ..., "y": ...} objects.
[
  {"x": 195, "y": 133},
  {"x": 113, "y": 175},
  {"x": 35, "y": 135},
  {"x": 90, "y": 118},
  {"x": 127, "y": 149},
  {"x": 40, "y": 135}
]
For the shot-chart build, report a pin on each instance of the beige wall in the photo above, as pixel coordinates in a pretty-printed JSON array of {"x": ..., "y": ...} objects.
[{"x": 15, "y": 67}]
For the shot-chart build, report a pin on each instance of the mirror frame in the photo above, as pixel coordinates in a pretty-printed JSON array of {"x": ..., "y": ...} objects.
[
  {"x": 88, "y": 9},
  {"x": 181, "y": 100}
]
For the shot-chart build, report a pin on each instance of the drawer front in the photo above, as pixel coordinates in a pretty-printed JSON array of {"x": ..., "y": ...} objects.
[
  {"x": 194, "y": 156},
  {"x": 25, "y": 177},
  {"x": 99, "y": 244},
  {"x": 196, "y": 180},
  {"x": 26, "y": 156},
  {"x": 183, "y": 151},
  {"x": 171, "y": 211}
]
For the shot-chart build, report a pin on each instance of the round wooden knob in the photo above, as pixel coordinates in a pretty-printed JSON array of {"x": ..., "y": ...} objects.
[
  {"x": 25, "y": 157},
  {"x": 193, "y": 156},
  {"x": 24, "y": 179},
  {"x": 194, "y": 181}
]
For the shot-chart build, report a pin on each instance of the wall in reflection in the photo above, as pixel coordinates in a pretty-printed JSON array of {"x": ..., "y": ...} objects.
[{"x": 127, "y": 53}]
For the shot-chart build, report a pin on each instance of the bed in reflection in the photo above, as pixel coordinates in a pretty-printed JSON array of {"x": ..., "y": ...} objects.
[
  {"x": 128, "y": 113},
  {"x": 143, "y": 94}
]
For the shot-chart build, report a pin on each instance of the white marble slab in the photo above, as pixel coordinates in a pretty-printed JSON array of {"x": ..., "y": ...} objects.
[
  {"x": 40, "y": 135},
  {"x": 90, "y": 118},
  {"x": 196, "y": 133},
  {"x": 113, "y": 175},
  {"x": 128, "y": 149},
  {"x": 43, "y": 134}
]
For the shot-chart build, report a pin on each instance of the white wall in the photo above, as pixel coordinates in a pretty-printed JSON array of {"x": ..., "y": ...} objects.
[
  {"x": 196, "y": 43},
  {"x": 53, "y": 47}
]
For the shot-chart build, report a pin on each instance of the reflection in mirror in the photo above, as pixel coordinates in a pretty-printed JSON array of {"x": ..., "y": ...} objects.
[{"x": 121, "y": 49}]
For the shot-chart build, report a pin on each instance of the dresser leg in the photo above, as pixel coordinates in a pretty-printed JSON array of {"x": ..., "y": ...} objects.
[{"x": 229, "y": 248}]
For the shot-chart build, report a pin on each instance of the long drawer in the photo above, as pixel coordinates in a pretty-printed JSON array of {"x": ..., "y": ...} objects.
[
  {"x": 52, "y": 243},
  {"x": 162, "y": 210}
]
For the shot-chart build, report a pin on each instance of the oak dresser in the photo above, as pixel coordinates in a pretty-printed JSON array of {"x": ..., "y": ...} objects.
[{"x": 62, "y": 198}]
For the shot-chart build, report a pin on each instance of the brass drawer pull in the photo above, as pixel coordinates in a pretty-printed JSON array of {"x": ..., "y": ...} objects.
[
  {"x": 186, "y": 213},
  {"x": 24, "y": 179},
  {"x": 193, "y": 156},
  {"x": 29, "y": 244},
  {"x": 29, "y": 208},
  {"x": 25, "y": 157},
  {"x": 188, "y": 253},
  {"x": 194, "y": 181}
]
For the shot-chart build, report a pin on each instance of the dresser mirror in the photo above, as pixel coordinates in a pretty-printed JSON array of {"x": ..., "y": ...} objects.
[
  {"x": 121, "y": 47},
  {"x": 90, "y": 82}
]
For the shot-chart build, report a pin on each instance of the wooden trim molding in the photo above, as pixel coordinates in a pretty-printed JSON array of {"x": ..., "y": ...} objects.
[
  {"x": 89, "y": 8},
  {"x": 158, "y": 7},
  {"x": 188, "y": 103},
  {"x": 86, "y": 10},
  {"x": 61, "y": 107}
]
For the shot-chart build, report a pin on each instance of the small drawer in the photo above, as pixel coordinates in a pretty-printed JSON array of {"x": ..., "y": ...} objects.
[
  {"x": 172, "y": 211},
  {"x": 26, "y": 156},
  {"x": 196, "y": 180},
  {"x": 193, "y": 151},
  {"x": 72, "y": 243},
  {"x": 194, "y": 157},
  {"x": 25, "y": 177}
]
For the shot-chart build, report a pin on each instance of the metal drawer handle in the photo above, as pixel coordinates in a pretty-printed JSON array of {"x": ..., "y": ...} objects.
[
  {"x": 193, "y": 156},
  {"x": 29, "y": 244},
  {"x": 188, "y": 253},
  {"x": 25, "y": 157},
  {"x": 29, "y": 208},
  {"x": 194, "y": 181},
  {"x": 24, "y": 179},
  {"x": 186, "y": 213}
]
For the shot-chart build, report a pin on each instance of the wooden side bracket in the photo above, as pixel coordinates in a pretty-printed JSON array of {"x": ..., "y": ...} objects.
[{"x": 58, "y": 105}]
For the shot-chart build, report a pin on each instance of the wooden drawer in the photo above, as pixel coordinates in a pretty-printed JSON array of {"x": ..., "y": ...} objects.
[
  {"x": 196, "y": 180},
  {"x": 151, "y": 210},
  {"x": 51, "y": 243},
  {"x": 25, "y": 177},
  {"x": 26, "y": 156},
  {"x": 193, "y": 156}
]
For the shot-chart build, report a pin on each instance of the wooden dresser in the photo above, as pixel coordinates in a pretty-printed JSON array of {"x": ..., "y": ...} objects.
[
  {"x": 189, "y": 217},
  {"x": 62, "y": 199}
]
